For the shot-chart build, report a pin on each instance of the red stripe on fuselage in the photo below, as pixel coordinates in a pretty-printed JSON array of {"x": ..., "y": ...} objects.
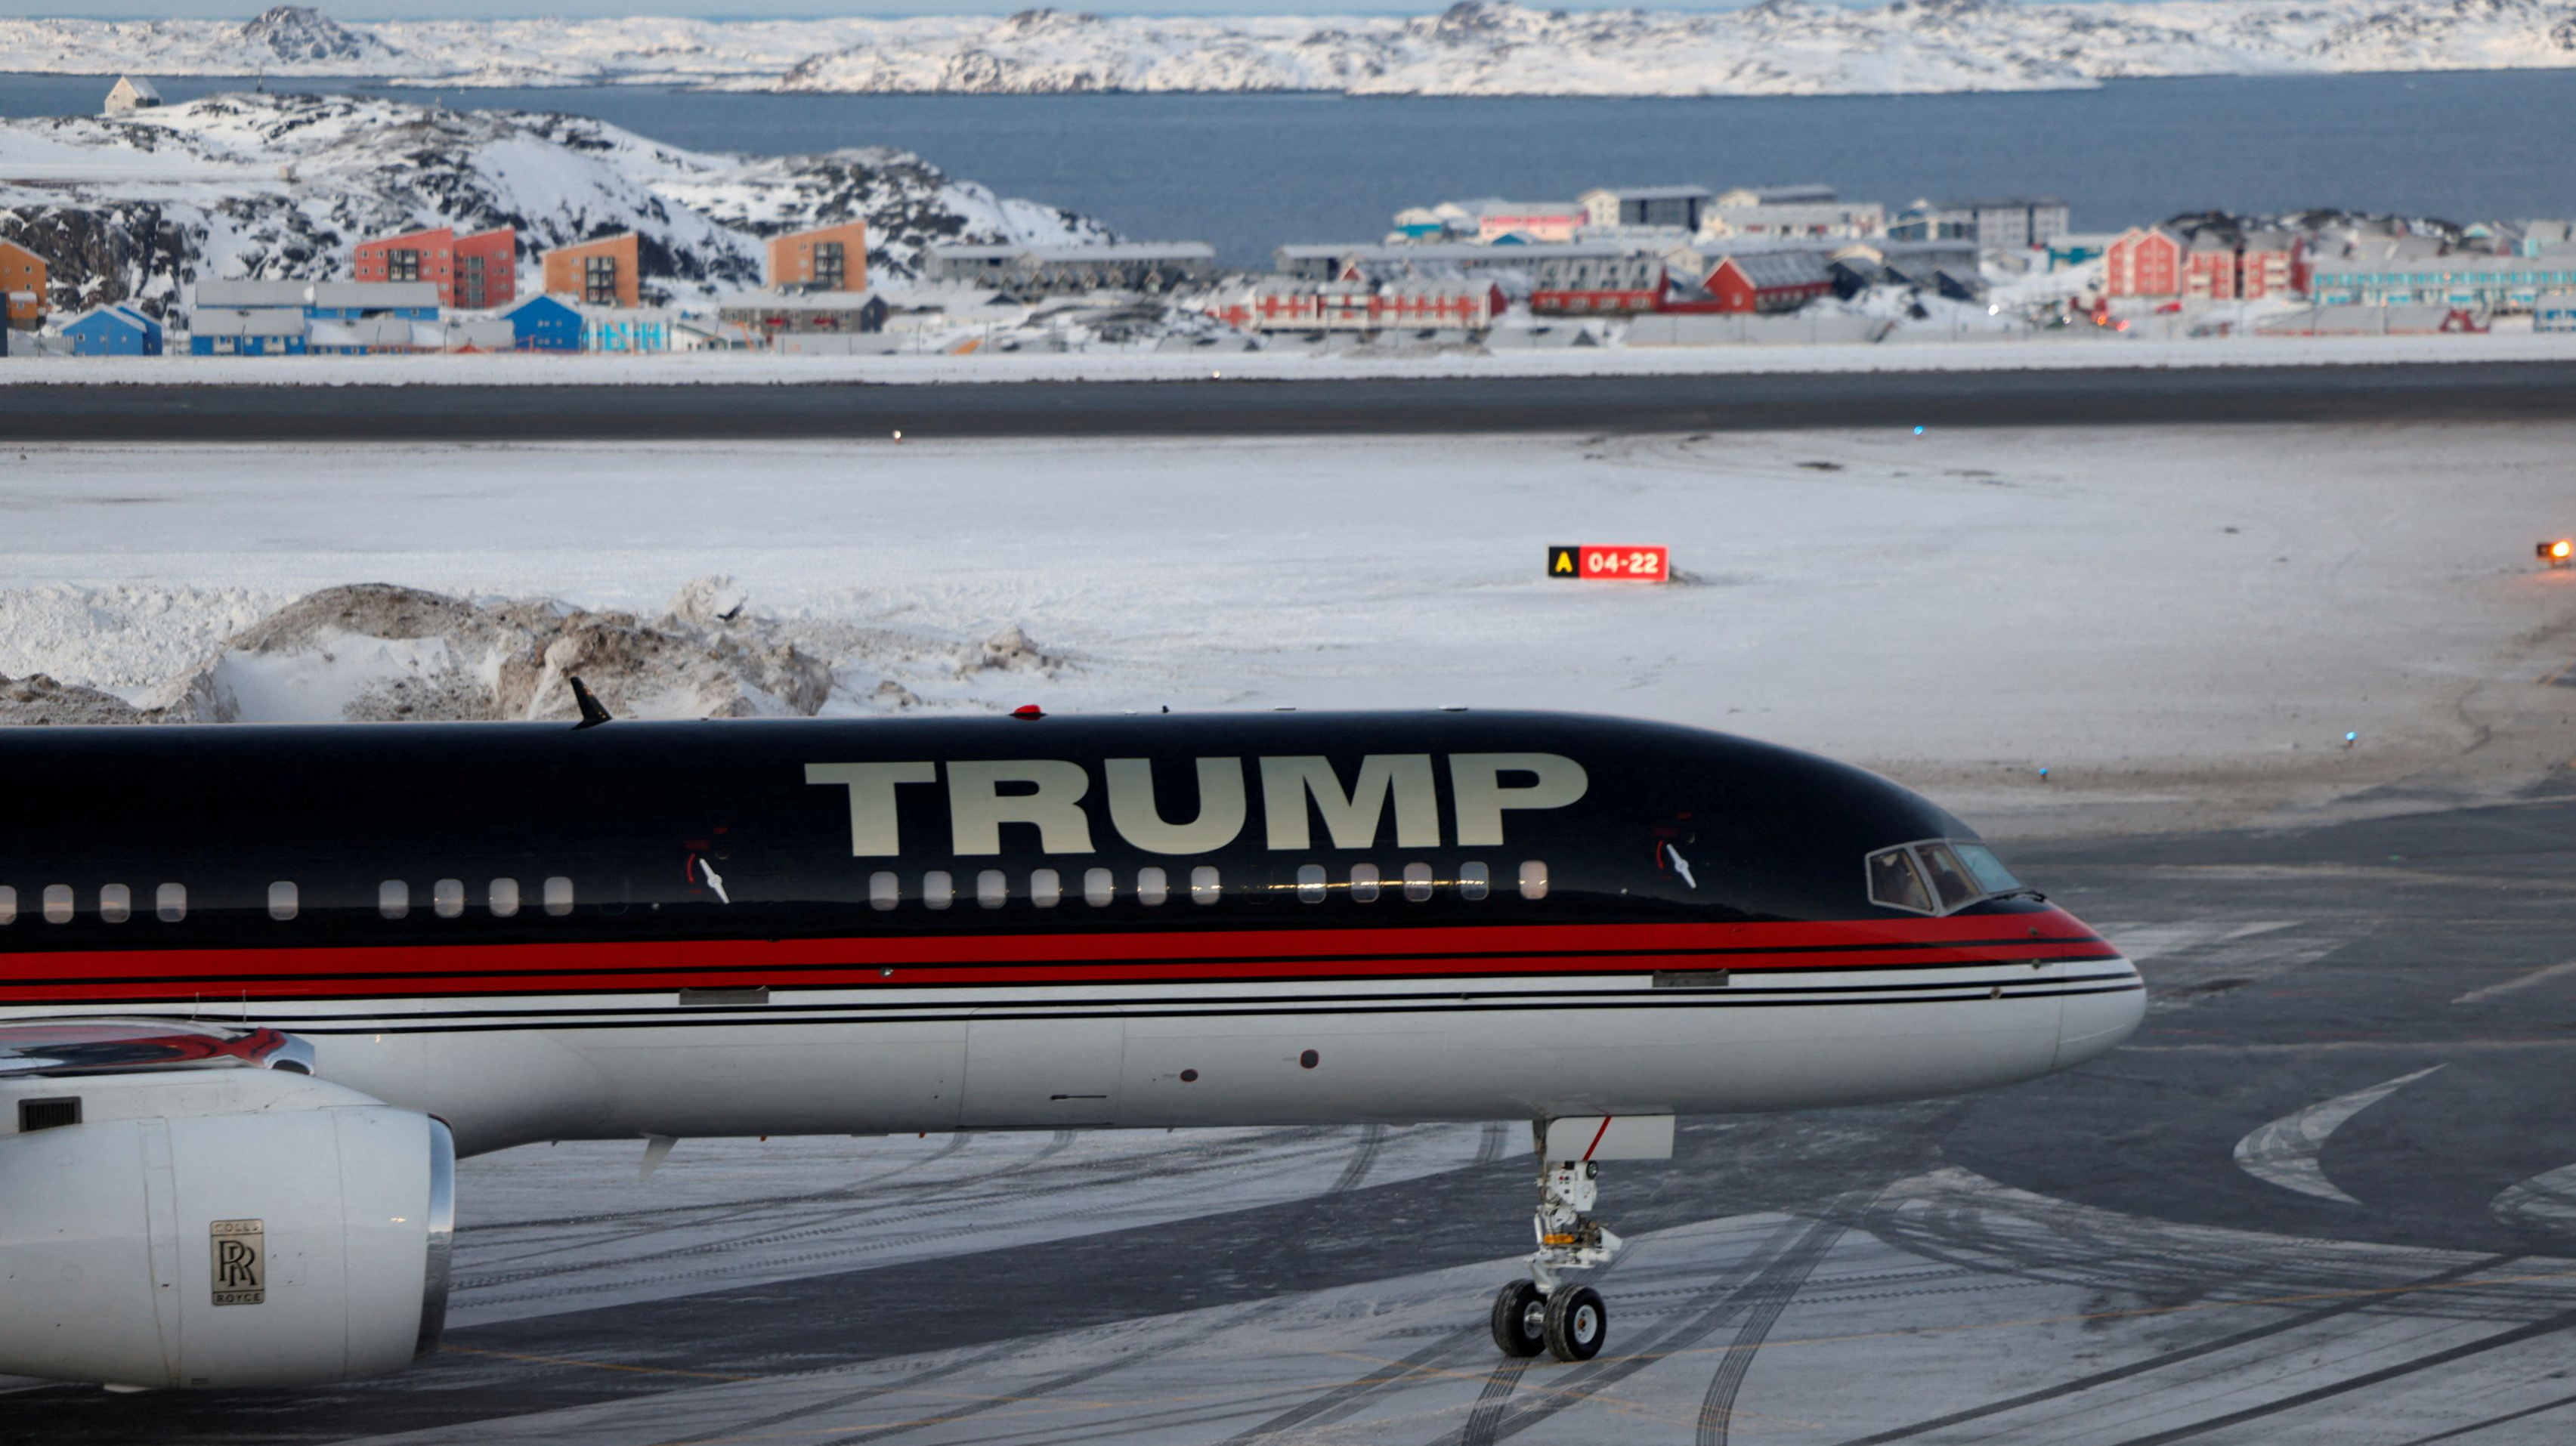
[{"x": 1023, "y": 958}]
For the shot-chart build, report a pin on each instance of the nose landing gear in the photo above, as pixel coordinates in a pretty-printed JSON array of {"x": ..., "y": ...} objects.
[{"x": 1547, "y": 1311}]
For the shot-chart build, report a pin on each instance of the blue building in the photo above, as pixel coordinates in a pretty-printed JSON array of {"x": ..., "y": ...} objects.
[
  {"x": 544, "y": 323},
  {"x": 247, "y": 331},
  {"x": 361, "y": 300},
  {"x": 2554, "y": 311},
  {"x": 114, "y": 331}
]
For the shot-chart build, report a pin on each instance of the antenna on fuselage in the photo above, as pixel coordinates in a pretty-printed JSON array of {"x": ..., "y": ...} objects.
[{"x": 592, "y": 714}]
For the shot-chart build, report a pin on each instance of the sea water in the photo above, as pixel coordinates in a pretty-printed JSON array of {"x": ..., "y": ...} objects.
[{"x": 1250, "y": 172}]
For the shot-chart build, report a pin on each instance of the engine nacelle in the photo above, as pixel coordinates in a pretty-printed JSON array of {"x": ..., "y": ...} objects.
[{"x": 233, "y": 1228}]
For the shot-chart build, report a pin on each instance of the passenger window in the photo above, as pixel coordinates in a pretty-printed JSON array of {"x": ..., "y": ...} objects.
[
  {"x": 58, "y": 903},
  {"x": 1533, "y": 878},
  {"x": 1474, "y": 882},
  {"x": 1417, "y": 882},
  {"x": 938, "y": 890},
  {"x": 170, "y": 901},
  {"x": 8, "y": 905},
  {"x": 1364, "y": 883},
  {"x": 115, "y": 903},
  {"x": 991, "y": 889},
  {"x": 1046, "y": 888},
  {"x": 1098, "y": 888},
  {"x": 1949, "y": 880},
  {"x": 447, "y": 898},
  {"x": 558, "y": 896},
  {"x": 1152, "y": 886},
  {"x": 1310, "y": 883},
  {"x": 1894, "y": 884},
  {"x": 504, "y": 898},
  {"x": 1203, "y": 885},
  {"x": 393, "y": 899},
  {"x": 281, "y": 901},
  {"x": 1989, "y": 871},
  {"x": 884, "y": 892}
]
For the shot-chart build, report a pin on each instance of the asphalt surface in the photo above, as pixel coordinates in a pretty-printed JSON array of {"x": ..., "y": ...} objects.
[
  {"x": 2440, "y": 392},
  {"x": 2102, "y": 1264}
]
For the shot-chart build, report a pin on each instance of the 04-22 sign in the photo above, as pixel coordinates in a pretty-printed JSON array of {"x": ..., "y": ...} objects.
[{"x": 1591, "y": 562}]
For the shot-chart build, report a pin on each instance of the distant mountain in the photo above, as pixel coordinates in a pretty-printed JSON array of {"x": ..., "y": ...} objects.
[
  {"x": 141, "y": 208},
  {"x": 1477, "y": 47}
]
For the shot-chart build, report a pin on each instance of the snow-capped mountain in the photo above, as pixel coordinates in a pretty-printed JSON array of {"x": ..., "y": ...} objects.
[
  {"x": 1477, "y": 47},
  {"x": 141, "y": 207}
]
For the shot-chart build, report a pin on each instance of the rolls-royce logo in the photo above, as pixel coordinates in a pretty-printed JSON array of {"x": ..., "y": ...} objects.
[{"x": 240, "y": 1261}]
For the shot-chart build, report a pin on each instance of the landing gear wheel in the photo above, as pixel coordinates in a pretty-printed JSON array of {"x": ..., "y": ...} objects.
[
  {"x": 1577, "y": 1322},
  {"x": 1520, "y": 1319}
]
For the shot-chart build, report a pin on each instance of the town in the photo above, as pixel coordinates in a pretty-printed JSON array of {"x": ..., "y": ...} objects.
[{"x": 1653, "y": 266}]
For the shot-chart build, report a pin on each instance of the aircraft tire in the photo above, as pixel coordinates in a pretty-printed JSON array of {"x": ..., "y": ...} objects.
[
  {"x": 1577, "y": 1322},
  {"x": 1514, "y": 1331}
]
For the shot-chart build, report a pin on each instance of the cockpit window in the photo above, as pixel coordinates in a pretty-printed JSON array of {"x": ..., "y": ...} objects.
[
  {"x": 1989, "y": 871},
  {"x": 1949, "y": 880},
  {"x": 1937, "y": 876},
  {"x": 1894, "y": 883}
]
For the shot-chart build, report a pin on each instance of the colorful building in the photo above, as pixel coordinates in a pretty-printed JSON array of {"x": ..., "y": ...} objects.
[
  {"x": 1413, "y": 304},
  {"x": 596, "y": 273},
  {"x": 2554, "y": 311},
  {"x": 827, "y": 258},
  {"x": 1498, "y": 220},
  {"x": 114, "y": 331},
  {"x": 544, "y": 323},
  {"x": 2486, "y": 283},
  {"x": 247, "y": 331},
  {"x": 1769, "y": 281},
  {"x": 1646, "y": 206},
  {"x": 360, "y": 300},
  {"x": 625, "y": 329},
  {"x": 22, "y": 281},
  {"x": 2145, "y": 261},
  {"x": 471, "y": 272}
]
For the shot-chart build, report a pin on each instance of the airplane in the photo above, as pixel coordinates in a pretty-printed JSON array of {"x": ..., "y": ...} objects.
[{"x": 262, "y": 986}]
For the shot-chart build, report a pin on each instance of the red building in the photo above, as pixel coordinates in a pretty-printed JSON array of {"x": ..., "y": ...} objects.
[
  {"x": 1412, "y": 304},
  {"x": 2145, "y": 261},
  {"x": 1757, "y": 281},
  {"x": 477, "y": 272}
]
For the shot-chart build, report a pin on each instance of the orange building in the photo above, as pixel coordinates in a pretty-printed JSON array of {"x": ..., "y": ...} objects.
[
  {"x": 2145, "y": 261},
  {"x": 827, "y": 258},
  {"x": 22, "y": 284},
  {"x": 473, "y": 272},
  {"x": 595, "y": 273}
]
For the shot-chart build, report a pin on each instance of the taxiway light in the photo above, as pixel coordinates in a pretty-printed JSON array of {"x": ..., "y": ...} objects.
[
  {"x": 1918, "y": 431},
  {"x": 2351, "y": 738},
  {"x": 2558, "y": 553}
]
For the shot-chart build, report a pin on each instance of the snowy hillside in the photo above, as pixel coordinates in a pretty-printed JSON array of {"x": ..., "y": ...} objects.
[
  {"x": 282, "y": 185},
  {"x": 1479, "y": 47}
]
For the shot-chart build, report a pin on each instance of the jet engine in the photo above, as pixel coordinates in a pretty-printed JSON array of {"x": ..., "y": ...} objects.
[{"x": 226, "y": 1227}]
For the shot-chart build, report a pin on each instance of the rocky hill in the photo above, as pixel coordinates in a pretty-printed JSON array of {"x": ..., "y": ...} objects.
[
  {"x": 1477, "y": 47},
  {"x": 140, "y": 208}
]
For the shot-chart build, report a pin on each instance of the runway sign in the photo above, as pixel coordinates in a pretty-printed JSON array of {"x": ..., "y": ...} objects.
[{"x": 1592, "y": 562}]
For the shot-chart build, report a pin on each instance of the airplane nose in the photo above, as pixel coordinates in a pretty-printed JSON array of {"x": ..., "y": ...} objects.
[{"x": 2091, "y": 1024}]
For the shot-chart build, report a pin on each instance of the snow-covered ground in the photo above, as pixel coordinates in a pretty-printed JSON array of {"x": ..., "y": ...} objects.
[
  {"x": 2180, "y": 624},
  {"x": 1993, "y": 351},
  {"x": 1480, "y": 47}
]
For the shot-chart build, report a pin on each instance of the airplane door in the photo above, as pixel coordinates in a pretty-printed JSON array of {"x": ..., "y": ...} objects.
[{"x": 1027, "y": 1074}]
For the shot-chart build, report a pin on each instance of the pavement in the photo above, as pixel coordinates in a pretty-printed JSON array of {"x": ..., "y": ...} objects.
[
  {"x": 2326, "y": 1195},
  {"x": 2449, "y": 391}
]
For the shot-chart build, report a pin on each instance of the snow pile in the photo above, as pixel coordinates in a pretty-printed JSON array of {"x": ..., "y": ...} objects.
[
  {"x": 1478, "y": 47},
  {"x": 143, "y": 206},
  {"x": 378, "y": 653}
]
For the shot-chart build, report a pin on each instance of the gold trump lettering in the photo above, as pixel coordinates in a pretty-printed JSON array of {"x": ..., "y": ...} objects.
[{"x": 1051, "y": 796}]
